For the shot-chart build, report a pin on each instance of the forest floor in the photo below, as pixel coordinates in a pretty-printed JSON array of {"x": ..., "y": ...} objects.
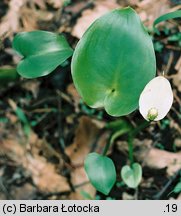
[{"x": 46, "y": 130}]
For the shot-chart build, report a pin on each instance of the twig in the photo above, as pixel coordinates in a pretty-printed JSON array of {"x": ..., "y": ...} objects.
[
  {"x": 176, "y": 97},
  {"x": 60, "y": 128},
  {"x": 172, "y": 47},
  {"x": 42, "y": 101},
  {"x": 170, "y": 60},
  {"x": 175, "y": 125},
  {"x": 160, "y": 194}
]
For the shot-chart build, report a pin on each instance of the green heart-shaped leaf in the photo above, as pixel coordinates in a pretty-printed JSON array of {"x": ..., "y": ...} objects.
[
  {"x": 101, "y": 172},
  {"x": 113, "y": 62},
  {"x": 42, "y": 51},
  {"x": 132, "y": 175}
]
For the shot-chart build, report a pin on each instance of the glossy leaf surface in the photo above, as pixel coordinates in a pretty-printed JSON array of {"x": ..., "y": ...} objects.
[
  {"x": 42, "y": 51},
  {"x": 113, "y": 62},
  {"x": 101, "y": 172}
]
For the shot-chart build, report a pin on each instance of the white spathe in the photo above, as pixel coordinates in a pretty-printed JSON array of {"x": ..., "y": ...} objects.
[{"x": 156, "y": 99}]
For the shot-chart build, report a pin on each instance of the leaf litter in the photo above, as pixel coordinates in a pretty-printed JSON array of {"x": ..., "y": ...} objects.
[{"x": 49, "y": 165}]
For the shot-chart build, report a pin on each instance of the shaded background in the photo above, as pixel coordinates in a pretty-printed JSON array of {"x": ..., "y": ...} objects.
[{"x": 46, "y": 130}]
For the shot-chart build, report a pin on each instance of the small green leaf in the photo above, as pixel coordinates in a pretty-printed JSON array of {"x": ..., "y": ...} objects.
[
  {"x": 22, "y": 117},
  {"x": 158, "y": 46},
  {"x": 42, "y": 51},
  {"x": 177, "y": 188},
  {"x": 113, "y": 62},
  {"x": 165, "y": 17},
  {"x": 101, "y": 172},
  {"x": 132, "y": 175}
]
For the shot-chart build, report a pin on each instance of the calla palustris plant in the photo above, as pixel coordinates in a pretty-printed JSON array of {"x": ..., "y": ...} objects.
[{"x": 111, "y": 65}]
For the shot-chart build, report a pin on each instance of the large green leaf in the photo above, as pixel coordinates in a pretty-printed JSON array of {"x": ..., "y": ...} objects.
[
  {"x": 101, "y": 172},
  {"x": 42, "y": 51},
  {"x": 113, "y": 62}
]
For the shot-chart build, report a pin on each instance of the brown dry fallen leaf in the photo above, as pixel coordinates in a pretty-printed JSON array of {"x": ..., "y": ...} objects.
[
  {"x": 159, "y": 159},
  {"x": 10, "y": 22},
  {"x": 85, "y": 136},
  {"x": 30, "y": 18},
  {"x": 23, "y": 15},
  {"x": 45, "y": 175},
  {"x": 25, "y": 192},
  {"x": 13, "y": 150},
  {"x": 90, "y": 15}
]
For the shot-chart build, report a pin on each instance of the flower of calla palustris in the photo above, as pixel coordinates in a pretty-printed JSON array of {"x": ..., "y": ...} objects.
[{"x": 156, "y": 99}]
